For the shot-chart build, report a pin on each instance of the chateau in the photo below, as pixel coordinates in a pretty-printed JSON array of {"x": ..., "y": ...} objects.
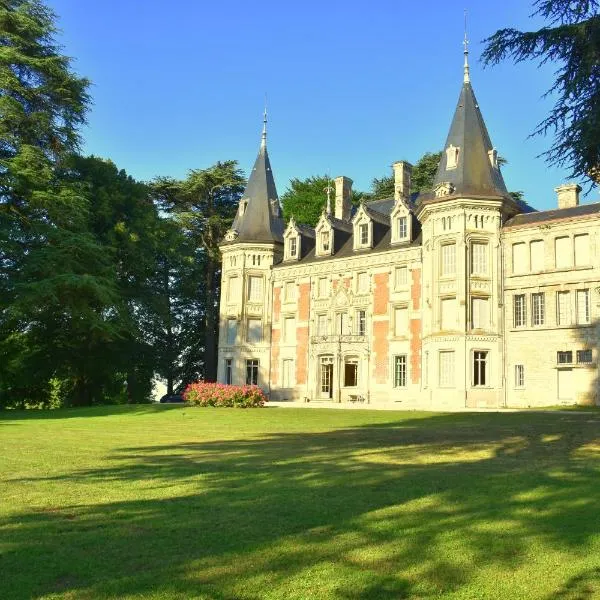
[{"x": 459, "y": 297}]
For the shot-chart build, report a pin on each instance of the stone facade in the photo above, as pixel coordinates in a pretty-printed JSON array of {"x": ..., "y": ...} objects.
[{"x": 460, "y": 297}]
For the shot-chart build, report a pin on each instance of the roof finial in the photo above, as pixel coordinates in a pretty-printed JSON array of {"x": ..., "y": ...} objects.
[
  {"x": 466, "y": 78},
  {"x": 263, "y": 141},
  {"x": 328, "y": 189}
]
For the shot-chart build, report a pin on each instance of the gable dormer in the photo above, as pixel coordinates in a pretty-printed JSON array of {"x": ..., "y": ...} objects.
[
  {"x": 362, "y": 225},
  {"x": 401, "y": 222},
  {"x": 292, "y": 241},
  {"x": 324, "y": 234}
]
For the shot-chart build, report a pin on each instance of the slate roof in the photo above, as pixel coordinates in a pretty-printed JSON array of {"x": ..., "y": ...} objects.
[{"x": 544, "y": 216}]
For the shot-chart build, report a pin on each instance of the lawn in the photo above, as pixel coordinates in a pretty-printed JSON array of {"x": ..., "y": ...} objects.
[{"x": 222, "y": 504}]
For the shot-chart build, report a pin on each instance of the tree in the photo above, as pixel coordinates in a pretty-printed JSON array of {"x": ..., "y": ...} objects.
[
  {"x": 305, "y": 199},
  {"x": 204, "y": 205},
  {"x": 572, "y": 41},
  {"x": 422, "y": 177}
]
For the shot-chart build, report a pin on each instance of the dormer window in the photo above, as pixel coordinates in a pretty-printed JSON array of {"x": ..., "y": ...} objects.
[
  {"x": 402, "y": 225},
  {"x": 363, "y": 234},
  {"x": 292, "y": 247},
  {"x": 325, "y": 241},
  {"x": 452, "y": 153},
  {"x": 243, "y": 206}
]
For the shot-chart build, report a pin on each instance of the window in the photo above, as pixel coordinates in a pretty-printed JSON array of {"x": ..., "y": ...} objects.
[
  {"x": 583, "y": 307},
  {"x": 447, "y": 368},
  {"x": 536, "y": 253},
  {"x": 252, "y": 371},
  {"x": 479, "y": 262},
  {"x": 562, "y": 252},
  {"x": 582, "y": 250},
  {"x": 519, "y": 258},
  {"x": 564, "y": 357},
  {"x": 479, "y": 313},
  {"x": 402, "y": 228},
  {"x": 584, "y": 357},
  {"x": 326, "y": 376},
  {"x": 563, "y": 308},
  {"x": 448, "y": 310},
  {"x": 233, "y": 293},
  {"x": 363, "y": 234},
  {"x": 321, "y": 324},
  {"x": 255, "y": 289},
  {"x": 290, "y": 291},
  {"x": 426, "y": 370},
  {"x": 363, "y": 283},
  {"x": 254, "y": 333},
  {"x": 480, "y": 368},
  {"x": 231, "y": 331},
  {"x": 449, "y": 259},
  {"x": 342, "y": 323},
  {"x": 323, "y": 287},
  {"x": 400, "y": 276},
  {"x": 519, "y": 311},
  {"x": 400, "y": 321},
  {"x": 361, "y": 322},
  {"x": 289, "y": 330},
  {"x": 519, "y": 376},
  {"x": 538, "y": 309},
  {"x": 293, "y": 247},
  {"x": 325, "y": 241},
  {"x": 287, "y": 373},
  {"x": 228, "y": 371},
  {"x": 351, "y": 372},
  {"x": 400, "y": 371}
]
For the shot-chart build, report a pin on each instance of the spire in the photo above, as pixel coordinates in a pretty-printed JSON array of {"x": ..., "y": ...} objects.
[
  {"x": 469, "y": 161},
  {"x": 258, "y": 218},
  {"x": 328, "y": 189},
  {"x": 466, "y": 78}
]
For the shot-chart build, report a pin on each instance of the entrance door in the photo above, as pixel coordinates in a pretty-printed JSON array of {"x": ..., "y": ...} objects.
[
  {"x": 326, "y": 377},
  {"x": 565, "y": 384}
]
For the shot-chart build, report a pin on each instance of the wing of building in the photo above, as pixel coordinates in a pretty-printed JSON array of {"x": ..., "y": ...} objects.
[{"x": 459, "y": 297}]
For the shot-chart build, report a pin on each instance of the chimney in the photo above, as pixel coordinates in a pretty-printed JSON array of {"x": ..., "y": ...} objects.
[
  {"x": 402, "y": 173},
  {"x": 343, "y": 195},
  {"x": 568, "y": 195}
]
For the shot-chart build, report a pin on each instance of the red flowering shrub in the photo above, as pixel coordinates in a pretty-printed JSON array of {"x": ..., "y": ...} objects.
[{"x": 219, "y": 394}]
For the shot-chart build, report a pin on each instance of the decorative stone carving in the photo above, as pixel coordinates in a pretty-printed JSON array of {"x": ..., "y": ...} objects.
[
  {"x": 443, "y": 189},
  {"x": 231, "y": 235}
]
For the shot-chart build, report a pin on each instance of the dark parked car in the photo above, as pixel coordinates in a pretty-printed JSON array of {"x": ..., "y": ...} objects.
[{"x": 172, "y": 399}]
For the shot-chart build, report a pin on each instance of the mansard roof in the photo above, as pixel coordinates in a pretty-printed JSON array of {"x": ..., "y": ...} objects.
[
  {"x": 261, "y": 219},
  {"x": 543, "y": 216}
]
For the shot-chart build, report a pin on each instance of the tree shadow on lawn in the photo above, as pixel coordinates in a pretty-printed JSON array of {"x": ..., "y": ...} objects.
[
  {"x": 109, "y": 410},
  {"x": 409, "y": 508}
]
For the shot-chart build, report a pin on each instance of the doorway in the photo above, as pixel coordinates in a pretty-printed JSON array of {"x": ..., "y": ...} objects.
[
  {"x": 326, "y": 377},
  {"x": 565, "y": 384}
]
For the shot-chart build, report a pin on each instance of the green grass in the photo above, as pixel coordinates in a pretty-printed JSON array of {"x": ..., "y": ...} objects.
[{"x": 223, "y": 504}]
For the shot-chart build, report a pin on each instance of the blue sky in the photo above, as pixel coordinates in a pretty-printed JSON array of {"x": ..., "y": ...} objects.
[{"x": 351, "y": 87}]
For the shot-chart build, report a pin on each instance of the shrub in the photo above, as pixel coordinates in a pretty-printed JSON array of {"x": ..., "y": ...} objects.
[{"x": 219, "y": 394}]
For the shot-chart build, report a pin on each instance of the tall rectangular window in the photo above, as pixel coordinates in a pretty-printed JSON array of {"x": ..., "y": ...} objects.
[
  {"x": 402, "y": 228},
  {"x": 233, "y": 289},
  {"x": 363, "y": 230},
  {"x": 426, "y": 370},
  {"x": 361, "y": 322},
  {"x": 252, "y": 371},
  {"x": 563, "y": 308},
  {"x": 400, "y": 321},
  {"x": 479, "y": 259},
  {"x": 479, "y": 313},
  {"x": 519, "y": 376},
  {"x": 231, "y": 331},
  {"x": 290, "y": 291},
  {"x": 323, "y": 287},
  {"x": 449, "y": 259},
  {"x": 293, "y": 246},
  {"x": 400, "y": 366},
  {"x": 342, "y": 323},
  {"x": 228, "y": 371},
  {"x": 538, "y": 309},
  {"x": 519, "y": 311},
  {"x": 362, "y": 283},
  {"x": 582, "y": 250},
  {"x": 562, "y": 253},
  {"x": 325, "y": 241},
  {"x": 400, "y": 276},
  {"x": 322, "y": 325},
  {"x": 447, "y": 368},
  {"x": 583, "y": 307},
  {"x": 289, "y": 330},
  {"x": 254, "y": 333},
  {"x": 449, "y": 314},
  {"x": 255, "y": 289},
  {"x": 480, "y": 368},
  {"x": 519, "y": 258},
  {"x": 351, "y": 371},
  {"x": 536, "y": 253},
  {"x": 287, "y": 375}
]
